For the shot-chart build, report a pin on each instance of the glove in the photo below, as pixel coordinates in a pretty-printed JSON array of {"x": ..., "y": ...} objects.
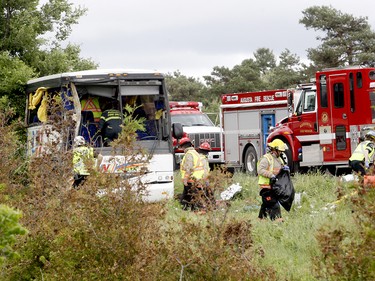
[
  {"x": 367, "y": 164},
  {"x": 286, "y": 168},
  {"x": 273, "y": 180}
]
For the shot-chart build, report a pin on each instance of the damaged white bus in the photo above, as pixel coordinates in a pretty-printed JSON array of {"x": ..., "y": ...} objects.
[{"x": 85, "y": 95}]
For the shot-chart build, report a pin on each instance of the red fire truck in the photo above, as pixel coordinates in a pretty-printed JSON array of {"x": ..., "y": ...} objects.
[
  {"x": 198, "y": 127},
  {"x": 328, "y": 119},
  {"x": 246, "y": 119}
]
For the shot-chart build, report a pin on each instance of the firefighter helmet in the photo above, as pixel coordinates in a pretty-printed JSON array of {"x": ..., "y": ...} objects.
[
  {"x": 205, "y": 146},
  {"x": 370, "y": 135},
  {"x": 278, "y": 145},
  {"x": 185, "y": 141},
  {"x": 79, "y": 140}
]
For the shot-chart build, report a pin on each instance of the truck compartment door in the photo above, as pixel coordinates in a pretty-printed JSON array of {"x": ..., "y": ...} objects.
[
  {"x": 268, "y": 121},
  {"x": 339, "y": 98},
  {"x": 231, "y": 146}
]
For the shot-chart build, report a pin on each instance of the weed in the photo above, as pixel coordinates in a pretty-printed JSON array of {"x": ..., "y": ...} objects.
[{"x": 79, "y": 235}]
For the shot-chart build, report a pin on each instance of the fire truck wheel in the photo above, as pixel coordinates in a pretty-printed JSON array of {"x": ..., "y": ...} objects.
[
  {"x": 250, "y": 161},
  {"x": 287, "y": 157}
]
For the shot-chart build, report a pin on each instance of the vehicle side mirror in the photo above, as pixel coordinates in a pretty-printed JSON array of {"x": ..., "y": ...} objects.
[{"x": 177, "y": 130}]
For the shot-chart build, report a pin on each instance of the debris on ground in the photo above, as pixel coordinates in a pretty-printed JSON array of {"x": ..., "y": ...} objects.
[
  {"x": 231, "y": 192},
  {"x": 349, "y": 178}
]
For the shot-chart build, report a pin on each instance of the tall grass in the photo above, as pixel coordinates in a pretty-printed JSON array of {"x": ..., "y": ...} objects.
[
  {"x": 293, "y": 248},
  {"x": 76, "y": 235}
]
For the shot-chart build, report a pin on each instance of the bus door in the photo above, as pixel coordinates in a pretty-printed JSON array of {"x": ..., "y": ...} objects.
[
  {"x": 339, "y": 99},
  {"x": 268, "y": 121}
]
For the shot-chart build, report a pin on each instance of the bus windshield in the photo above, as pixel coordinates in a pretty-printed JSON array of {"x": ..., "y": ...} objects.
[{"x": 91, "y": 99}]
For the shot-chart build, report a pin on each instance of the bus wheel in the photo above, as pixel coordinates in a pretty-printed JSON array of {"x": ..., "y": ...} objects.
[{"x": 250, "y": 161}]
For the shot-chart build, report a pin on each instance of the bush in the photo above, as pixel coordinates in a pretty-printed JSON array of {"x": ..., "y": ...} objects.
[
  {"x": 79, "y": 235},
  {"x": 348, "y": 252}
]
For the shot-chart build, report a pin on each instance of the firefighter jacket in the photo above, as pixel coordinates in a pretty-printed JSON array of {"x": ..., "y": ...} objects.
[
  {"x": 268, "y": 165},
  {"x": 191, "y": 167},
  {"x": 92, "y": 104},
  {"x": 206, "y": 166},
  {"x": 360, "y": 151},
  {"x": 40, "y": 96},
  {"x": 110, "y": 124},
  {"x": 82, "y": 155}
]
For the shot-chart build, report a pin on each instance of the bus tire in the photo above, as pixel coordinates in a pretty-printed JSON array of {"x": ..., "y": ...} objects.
[{"x": 250, "y": 161}]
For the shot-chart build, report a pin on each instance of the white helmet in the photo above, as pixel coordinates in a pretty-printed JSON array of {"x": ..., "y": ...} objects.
[
  {"x": 79, "y": 140},
  {"x": 370, "y": 135}
]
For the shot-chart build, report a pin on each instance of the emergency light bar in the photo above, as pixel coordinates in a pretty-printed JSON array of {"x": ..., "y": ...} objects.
[{"x": 186, "y": 104}]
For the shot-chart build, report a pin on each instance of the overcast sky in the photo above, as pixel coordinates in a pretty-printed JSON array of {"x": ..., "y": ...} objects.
[{"x": 196, "y": 35}]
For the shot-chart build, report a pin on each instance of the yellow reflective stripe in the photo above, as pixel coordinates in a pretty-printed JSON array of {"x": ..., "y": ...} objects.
[{"x": 113, "y": 118}]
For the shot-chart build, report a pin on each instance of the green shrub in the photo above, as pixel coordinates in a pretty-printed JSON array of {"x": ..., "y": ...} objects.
[
  {"x": 9, "y": 228},
  {"x": 348, "y": 251},
  {"x": 78, "y": 235}
]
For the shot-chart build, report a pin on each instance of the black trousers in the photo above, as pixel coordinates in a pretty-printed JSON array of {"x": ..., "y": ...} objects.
[
  {"x": 188, "y": 197},
  {"x": 358, "y": 166},
  {"x": 270, "y": 206},
  {"x": 192, "y": 197},
  {"x": 78, "y": 179}
]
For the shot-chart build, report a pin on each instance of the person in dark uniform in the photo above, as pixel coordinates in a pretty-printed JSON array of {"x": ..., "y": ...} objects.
[{"x": 110, "y": 124}]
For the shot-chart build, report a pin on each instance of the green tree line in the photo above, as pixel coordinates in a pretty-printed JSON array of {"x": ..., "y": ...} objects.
[
  {"x": 345, "y": 40},
  {"x": 32, "y": 37}
]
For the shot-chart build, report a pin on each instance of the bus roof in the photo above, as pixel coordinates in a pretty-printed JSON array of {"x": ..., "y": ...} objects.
[{"x": 56, "y": 80}]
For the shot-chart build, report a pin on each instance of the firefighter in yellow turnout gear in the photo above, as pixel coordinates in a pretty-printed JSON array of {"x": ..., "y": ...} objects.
[
  {"x": 208, "y": 191},
  {"x": 192, "y": 174},
  {"x": 92, "y": 104},
  {"x": 269, "y": 166},
  {"x": 82, "y": 155},
  {"x": 363, "y": 155}
]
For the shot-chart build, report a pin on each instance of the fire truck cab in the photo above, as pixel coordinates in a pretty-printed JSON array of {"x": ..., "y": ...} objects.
[
  {"x": 246, "y": 119},
  {"x": 198, "y": 127},
  {"x": 327, "y": 118}
]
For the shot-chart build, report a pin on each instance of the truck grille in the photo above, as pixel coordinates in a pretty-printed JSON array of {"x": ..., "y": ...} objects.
[{"x": 212, "y": 138}]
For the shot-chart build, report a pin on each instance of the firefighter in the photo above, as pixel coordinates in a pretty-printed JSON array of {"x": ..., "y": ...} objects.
[
  {"x": 110, "y": 124},
  {"x": 204, "y": 149},
  {"x": 92, "y": 104},
  {"x": 269, "y": 165},
  {"x": 192, "y": 173},
  {"x": 82, "y": 154},
  {"x": 363, "y": 155}
]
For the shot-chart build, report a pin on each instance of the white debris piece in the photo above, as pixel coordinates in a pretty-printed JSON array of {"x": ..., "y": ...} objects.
[
  {"x": 297, "y": 199},
  {"x": 349, "y": 178},
  {"x": 231, "y": 191}
]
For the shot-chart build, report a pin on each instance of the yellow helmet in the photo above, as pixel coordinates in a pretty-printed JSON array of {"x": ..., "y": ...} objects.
[{"x": 278, "y": 145}]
